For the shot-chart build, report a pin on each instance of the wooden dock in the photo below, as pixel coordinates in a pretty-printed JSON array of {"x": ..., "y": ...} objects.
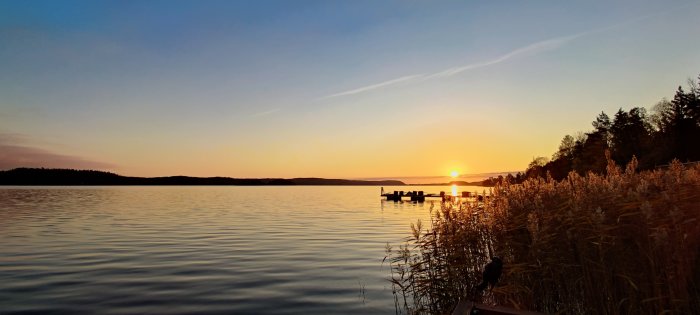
[{"x": 419, "y": 196}]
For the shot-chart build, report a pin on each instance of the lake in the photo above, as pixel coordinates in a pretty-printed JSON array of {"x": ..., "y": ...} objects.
[{"x": 203, "y": 249}]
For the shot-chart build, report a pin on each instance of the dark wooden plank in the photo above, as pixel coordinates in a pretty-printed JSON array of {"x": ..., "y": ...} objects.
[{"x": 465, "y": 307}]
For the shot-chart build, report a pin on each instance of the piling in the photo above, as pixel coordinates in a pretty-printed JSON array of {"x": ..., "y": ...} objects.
[{"x": 393, "y": 197}]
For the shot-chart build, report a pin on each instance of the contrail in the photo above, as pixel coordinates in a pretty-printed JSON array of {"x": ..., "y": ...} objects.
[
  {"x": 531, "y": 49},
  {"x": 376, "y": 86},
  {"x": 268, "y": 112},
  {"x": 534, "y": 48},
  {"x": 526, "y": 50}
]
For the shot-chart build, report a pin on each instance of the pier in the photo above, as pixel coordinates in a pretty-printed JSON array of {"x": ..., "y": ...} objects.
[{"x": 419, "y": 195}]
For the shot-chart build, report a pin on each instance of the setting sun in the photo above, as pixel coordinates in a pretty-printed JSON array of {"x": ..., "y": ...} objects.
[{"x": 454, "y": 174}]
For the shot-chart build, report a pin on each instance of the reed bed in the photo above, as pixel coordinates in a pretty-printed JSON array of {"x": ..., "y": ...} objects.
[{"x": 622, "y": 243}]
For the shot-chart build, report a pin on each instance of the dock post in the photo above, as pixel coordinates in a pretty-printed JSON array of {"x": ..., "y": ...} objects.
[
  {"x": 442, "y": 196},
  {"x": 421, "y": 197}
]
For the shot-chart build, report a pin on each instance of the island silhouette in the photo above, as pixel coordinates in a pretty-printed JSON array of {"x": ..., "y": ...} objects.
[{"x": 58, "y": 177}]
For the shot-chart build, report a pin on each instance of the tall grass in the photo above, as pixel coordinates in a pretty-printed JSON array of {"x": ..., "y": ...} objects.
[{"x": 621, "y": 243}]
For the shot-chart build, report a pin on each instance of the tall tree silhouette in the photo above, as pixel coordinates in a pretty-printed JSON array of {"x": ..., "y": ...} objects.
[
  {"x": 679, "y": 126},
  {"x": 670, "y": 132},
  {"x": 592, "y": 155},
  {"x": 630, "y": 135}
]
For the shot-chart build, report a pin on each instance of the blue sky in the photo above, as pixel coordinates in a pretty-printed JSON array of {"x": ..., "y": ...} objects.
[{"x": 326, "y": 88}]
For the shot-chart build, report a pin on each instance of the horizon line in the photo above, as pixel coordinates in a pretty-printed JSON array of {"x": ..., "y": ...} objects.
[{"x": 371, "y": 178}]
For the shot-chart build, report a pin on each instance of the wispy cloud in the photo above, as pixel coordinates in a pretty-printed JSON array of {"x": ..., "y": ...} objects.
[
  {"x": 540, "y": 47},
  {"x": 265, "y": 113},
  {"x": 532, "y": 49},
  {"x": 15, "y": 153},
  {"x": 529, "y": 50},
  {"x": 376, "y": 86}
]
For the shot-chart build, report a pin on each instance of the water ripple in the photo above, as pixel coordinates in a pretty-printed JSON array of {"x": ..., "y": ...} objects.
[{"x": 190, "y": 250}]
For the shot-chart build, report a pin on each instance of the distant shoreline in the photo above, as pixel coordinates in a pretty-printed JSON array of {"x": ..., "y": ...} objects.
[{"x": 70, "y": 177}]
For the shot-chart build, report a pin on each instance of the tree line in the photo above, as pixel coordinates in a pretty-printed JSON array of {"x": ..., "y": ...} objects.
[
  {"x": 671, "y": 130},
  {"x": 48, "y": 176}
]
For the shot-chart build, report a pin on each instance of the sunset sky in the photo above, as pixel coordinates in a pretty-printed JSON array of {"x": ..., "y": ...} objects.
[{"x": 349, "y": 89}]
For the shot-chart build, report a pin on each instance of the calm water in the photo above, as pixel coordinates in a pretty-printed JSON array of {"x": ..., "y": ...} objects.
[{"x": 310, "y": 250}]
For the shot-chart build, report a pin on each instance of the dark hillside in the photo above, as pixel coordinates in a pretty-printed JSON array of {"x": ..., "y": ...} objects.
[{"x": 70, "y": 177}]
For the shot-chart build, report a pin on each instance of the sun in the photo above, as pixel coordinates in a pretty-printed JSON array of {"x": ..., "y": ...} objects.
[{"x": 454, "y": 174}]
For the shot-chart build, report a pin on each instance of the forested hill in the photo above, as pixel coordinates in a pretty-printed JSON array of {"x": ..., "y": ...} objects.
[
  {"x": 43, "y": 176},
  {"x": 670, "y": 131}
]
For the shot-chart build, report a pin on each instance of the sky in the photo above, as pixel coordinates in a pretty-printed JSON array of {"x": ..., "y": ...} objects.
[{"x": 339, "y": 89}]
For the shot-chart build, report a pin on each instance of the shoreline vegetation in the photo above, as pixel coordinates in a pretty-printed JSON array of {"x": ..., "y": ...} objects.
[
  {"x": 670, "y": 131},
  {"x": 625, "y": 242},
  {"x": 577, "y": 234}
]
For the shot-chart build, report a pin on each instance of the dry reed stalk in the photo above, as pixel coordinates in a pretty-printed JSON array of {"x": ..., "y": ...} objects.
[{"x": 621, "y": 243}]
